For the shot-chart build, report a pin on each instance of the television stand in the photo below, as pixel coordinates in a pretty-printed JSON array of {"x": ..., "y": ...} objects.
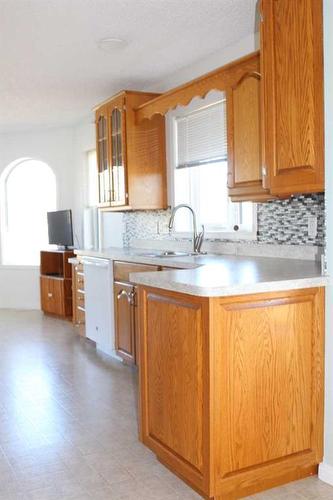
[
  {"x": 56, "y": 283},
  {"x": 65, "y": 248}
]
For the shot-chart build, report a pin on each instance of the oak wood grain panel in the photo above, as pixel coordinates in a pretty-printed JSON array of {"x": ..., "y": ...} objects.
[
  {"x": 292, "y": 71},
  {"x": 174, "y": 381},
  {"x": 124, "y": 322},
  {"x": 146, "y": 157},
  {"x": 244, "y": 137},
  {"x": 269, "y": 396},
  {"x": 53, "y": 295},
  {"x": 246, "y": 129},
  {"x": 219, "y": 79},
  {"x": 255, "y": 375},
  {"x": 174, "y": 337}
]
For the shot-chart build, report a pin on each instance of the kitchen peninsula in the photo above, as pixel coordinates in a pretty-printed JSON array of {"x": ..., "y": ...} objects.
[{"x": 231, "y": 368}]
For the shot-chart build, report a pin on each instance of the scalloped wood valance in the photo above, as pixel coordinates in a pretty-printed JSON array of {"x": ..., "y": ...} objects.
[{"x": 220, "y": 79}]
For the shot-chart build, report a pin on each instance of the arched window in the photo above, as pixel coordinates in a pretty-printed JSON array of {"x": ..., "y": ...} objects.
[{"x": 28, "y": 192}]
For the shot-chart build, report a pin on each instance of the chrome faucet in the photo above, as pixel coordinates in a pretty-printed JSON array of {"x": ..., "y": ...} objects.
[{"x": 198, "y": 238}]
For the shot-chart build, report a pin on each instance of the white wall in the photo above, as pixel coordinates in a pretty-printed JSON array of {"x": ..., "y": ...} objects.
[
  {"x": 84, "y": 141},
  {"x": 19, "y": 286},
  {"x": 326, "y": 469}
]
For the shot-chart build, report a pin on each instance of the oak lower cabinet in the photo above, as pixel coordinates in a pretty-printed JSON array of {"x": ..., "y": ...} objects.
[
  {"x": 56, "y": 282},
  {"x": 126, "y": 310},
  {"x": 79, "y": 315},
  {"x": 124, "y": 300},
  {"x": 291, "y": 51},
  {"x": 231, "y": 389},
  {"x": 52, "y": 295}
]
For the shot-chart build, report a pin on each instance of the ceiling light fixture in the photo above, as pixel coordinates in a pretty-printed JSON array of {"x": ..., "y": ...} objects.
[{"x": 111, "y": 43}]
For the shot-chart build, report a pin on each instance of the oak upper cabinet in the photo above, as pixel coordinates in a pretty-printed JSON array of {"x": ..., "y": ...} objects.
[
  {"x": 131, "y": 156},
  {"x": 116, "y": 112},
  {"x": 244, "y": 137},
  {"x": 103, "y": 161},
  {"x": 292, "y": 95}
]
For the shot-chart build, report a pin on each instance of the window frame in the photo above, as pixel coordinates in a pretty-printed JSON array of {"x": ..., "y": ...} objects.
[
  {"x": 4, "y": 209},
  {"x": 171, "y": 152}
]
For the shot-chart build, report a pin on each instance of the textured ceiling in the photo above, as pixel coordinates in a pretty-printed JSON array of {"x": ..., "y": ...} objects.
[{"x": 53, "y": 73}]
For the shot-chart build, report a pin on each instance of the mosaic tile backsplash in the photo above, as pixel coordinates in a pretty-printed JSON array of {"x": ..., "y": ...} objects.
[{"x": 279, "y": 222}]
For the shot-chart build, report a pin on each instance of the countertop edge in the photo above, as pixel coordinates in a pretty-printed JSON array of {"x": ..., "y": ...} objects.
[{"x": 223, "y": 291}]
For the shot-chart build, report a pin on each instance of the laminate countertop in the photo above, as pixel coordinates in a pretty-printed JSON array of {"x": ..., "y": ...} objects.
[{"x": 215, "y": 275}]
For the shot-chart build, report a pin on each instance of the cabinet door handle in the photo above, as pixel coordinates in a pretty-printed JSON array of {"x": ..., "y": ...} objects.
[
  {"x": 50, "y": 294},
  {"x": 121, "y": 294},
  {"x": 130, "y": 296}
]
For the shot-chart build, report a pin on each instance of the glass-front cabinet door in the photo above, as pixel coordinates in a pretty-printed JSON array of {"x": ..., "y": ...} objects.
[
  {"x": 104, "y": 179},
  {"x": 118, "y": 174}
]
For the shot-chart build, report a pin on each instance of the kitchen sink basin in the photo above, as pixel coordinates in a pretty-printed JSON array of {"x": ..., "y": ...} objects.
[{"x": 167, "y": 254}]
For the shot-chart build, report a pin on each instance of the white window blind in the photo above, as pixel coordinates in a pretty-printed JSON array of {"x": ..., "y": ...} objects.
[{"x": 202, "y": 136}]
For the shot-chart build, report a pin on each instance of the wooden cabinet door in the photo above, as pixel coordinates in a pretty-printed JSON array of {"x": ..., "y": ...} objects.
[
  {"x": 268, "y": 400},
  {"x": 292, "y": 72},
  {"x": 173, "y": 368},
  {"x": 244, "y": 138},
  {"x": 125, "y": 321},
  {"x": 52, "y": 295},
  {"x": 117, "y": 139},
  {"x": 103, "y": 161}
]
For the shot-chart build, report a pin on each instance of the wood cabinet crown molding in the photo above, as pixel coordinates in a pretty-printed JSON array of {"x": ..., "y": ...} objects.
[{"x": 218, "y": 79}]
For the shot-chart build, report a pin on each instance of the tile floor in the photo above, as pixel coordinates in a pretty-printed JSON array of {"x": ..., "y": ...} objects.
[{"x": 68, "y": 423}]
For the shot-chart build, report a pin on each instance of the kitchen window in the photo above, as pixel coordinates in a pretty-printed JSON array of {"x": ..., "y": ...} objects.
[{"x": 198, "y": 170}]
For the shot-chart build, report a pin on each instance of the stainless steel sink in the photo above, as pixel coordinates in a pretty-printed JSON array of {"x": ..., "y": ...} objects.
[{"x": 167, "y": 253}]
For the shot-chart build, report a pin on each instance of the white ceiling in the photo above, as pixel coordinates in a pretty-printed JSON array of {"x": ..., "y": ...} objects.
[{"x": 52, "y": 71}]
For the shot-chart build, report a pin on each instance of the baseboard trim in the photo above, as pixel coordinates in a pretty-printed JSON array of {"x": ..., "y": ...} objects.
[{"x": 325, "y": 473}]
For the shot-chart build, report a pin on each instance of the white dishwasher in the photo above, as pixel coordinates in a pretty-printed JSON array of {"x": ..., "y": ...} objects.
[{"x": 98, "y": 283}]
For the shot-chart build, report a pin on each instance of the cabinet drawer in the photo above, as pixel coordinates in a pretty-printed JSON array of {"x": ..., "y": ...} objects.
[
  {"x": 52, "y": 295},
  {"x": 80, "y": 298},
  {"x": 122, "y": 270},
  {"x": 79, "y": 267},
  {"x": 79, "y": 280},
  {"x": 80, "y": 315}
]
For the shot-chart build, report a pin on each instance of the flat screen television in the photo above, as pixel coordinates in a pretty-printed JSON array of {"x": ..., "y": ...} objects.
[{"x": 60, "y": 228}]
